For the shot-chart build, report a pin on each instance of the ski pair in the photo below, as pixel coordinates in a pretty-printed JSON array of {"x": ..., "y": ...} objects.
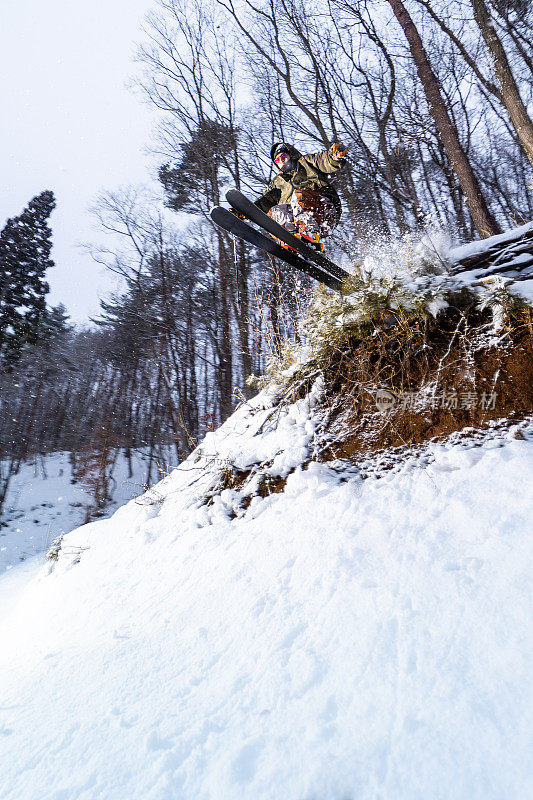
[{"x": 306, "y": 259}]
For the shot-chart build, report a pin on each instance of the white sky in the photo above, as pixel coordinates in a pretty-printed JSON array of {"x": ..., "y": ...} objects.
[{"x": 70, "y": 125}]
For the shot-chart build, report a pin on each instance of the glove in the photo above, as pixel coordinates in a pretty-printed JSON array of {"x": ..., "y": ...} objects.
[
  {"x": 338, "y": 150},
  {"x": 236, "y": 213}
]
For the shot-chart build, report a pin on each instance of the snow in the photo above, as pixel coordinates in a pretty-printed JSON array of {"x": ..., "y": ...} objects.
[
  {"x": 436, "y": 305},
  {"x": 518, "y": 281},
  {"x": 406, "y": 256},
  {"x": 524, "y": 289},
  {"x": 42, "y": 502},
  {"x": 14, "y": 581},
  {"x": 457, "y": 254},
  {"x": 343, "y": 638}
]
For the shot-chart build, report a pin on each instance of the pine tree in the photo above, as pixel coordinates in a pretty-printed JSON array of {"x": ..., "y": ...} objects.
[
  {"x": 196, "y": 173},
  {"x": 54, "y": 323},
  {"x": 25, "y": 245}
]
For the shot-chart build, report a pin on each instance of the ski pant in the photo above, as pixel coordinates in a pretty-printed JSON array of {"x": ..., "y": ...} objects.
[{"x": 307, "y": 212}]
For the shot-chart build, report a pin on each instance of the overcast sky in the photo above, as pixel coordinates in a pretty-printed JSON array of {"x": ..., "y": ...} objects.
[{"x": 70, "y": 125}]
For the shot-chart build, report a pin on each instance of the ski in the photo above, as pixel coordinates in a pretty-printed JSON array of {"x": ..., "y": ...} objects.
[
  {"x": 240, "y": 202},
  {"x": 243, "y": 230}
]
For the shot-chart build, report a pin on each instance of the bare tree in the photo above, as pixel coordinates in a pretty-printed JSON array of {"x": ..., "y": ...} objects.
[
  {"x": 510, "y": 93},
  {"x": 482, "y": 217}
]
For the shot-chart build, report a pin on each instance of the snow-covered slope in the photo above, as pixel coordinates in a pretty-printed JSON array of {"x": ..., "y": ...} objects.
[
  {"x": 340, "y": 639},
  {"x": 43, "y": 502}
]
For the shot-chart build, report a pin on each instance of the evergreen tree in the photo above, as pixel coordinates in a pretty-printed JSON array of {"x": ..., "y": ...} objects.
[
  {"x": 196, "y": 173},
  {"x": 25, "y": 245},
  {"x": 55, "y": 323}
]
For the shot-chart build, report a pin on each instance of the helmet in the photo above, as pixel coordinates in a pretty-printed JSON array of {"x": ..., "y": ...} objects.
[
  {"x": 284, "y": 147},
  {"x": 292, "y": 152}
]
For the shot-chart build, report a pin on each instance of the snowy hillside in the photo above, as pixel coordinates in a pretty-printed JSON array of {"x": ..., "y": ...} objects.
[
  {"x": 43, "y": 501},
  {"x": 267, "y": 626}
]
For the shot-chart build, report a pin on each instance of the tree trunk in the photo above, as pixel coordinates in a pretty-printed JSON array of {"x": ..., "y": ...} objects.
[
  {"x": 243, "y": 315},
  {"x": 509, "y": 90},
  {"x": 226, "y": 360},
  {"x": 482, "y": 217}
]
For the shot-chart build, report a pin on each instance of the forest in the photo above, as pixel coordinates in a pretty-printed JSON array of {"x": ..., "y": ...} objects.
[{"x": 431, "y": 100}]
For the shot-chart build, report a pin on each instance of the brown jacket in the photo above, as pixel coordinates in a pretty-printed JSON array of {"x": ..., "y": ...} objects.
[{"x": 311, "y": 172}]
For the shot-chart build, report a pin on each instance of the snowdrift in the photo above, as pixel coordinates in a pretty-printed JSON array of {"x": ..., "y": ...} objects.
[{"x": 308, "y": 634}]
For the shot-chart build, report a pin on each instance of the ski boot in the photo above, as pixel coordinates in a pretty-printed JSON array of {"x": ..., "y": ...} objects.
[
  {"x": 307, "y": 237},
  {"x": 312, "y": 239},
  {"x": 284, "y": 244}
]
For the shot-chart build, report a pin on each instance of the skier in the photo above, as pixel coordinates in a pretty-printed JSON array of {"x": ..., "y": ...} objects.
[{"x": 301, "y": 197}]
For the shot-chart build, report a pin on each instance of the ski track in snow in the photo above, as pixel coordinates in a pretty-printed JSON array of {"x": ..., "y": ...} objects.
[{"x": 358, "y": 640}]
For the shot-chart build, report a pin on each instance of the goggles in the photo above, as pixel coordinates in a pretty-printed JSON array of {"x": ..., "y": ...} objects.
[{"x": 281, "y": 159}]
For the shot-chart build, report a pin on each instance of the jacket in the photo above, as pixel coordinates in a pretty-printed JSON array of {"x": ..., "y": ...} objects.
[{"x": 310, "y": 172}]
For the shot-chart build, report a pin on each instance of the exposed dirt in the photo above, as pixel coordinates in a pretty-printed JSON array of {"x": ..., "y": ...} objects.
[
  {"x": 377, "y": 463},
  {"x": 271, "y": 484},
  {"x": 435, "y": 377},
  {"x": 268, "y": 484}
]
